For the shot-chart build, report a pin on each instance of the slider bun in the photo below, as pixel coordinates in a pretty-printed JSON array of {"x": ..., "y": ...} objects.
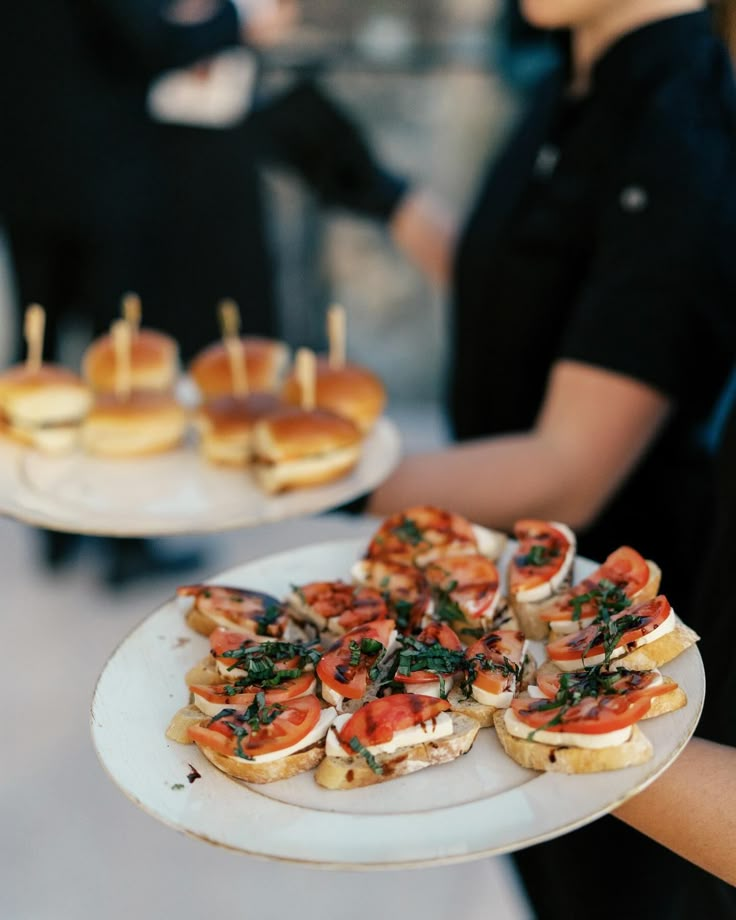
[
  {"x": 154, "y": 362},
  {"x": 50, "y": 395},
  {"x": 225, "y": 425},
  {"x": 351, "y": 391},
  {"x": 265, "y": 361},
  {"x": 295, "y": 448},
  {"x": 143, "y": 423},
  {"x": 292, "y": 434}
]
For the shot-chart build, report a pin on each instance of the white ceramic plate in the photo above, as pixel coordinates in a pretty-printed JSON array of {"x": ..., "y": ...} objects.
[
  {"x": 173, "y": 493},
  {"x": 479, "y": 805}
]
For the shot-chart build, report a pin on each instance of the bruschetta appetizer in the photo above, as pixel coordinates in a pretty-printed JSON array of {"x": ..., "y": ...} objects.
[
  {"x": 266, "y": 741},
  {"x": 250, "y": 612},
  {"x": 404, "y": 589},
  {"x": 351, "y": 667},
  {"x": 393, "y": 736},
  {"x": 539, "y": 570},
  {"x": 641, "y": 637},
  {"x": 420, "y": 534},
  {"x": 466, "y": 593},
  {"x": 335, "y": 606},
  {"x": 574, "y": 734},
  {"x": 497, "y": 666},
  {"x": 625, "y": 578},
  {"x": 664, "y": 694}
]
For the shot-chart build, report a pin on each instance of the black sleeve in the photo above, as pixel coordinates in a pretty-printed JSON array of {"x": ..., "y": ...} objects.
[
  {"x": 304, "y": 130},
  {"x": 155, "y": 43},
  {"x": 640, "y": 306}
]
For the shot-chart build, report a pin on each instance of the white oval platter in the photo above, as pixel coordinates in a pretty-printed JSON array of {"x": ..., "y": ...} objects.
[
  {"x": 479, "y": 805},
  {"x": 172, "y": 493}
]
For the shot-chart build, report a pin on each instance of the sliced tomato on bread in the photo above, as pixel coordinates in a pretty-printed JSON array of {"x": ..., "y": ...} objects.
[
  {"x": 592, "y": 715},
  {"x": 378, "y": 721},
  {"x": 621, "y": 577},
  {"x": 417, "y": 535},
  {"x": 466, "y": 587},
  {"x": 598, "y": 681},
  {"x": 345, "y": 666},
  {"x": 543, "y": 561},
  {"x": 497, "y": 659},
  {"x": 263, "y": 728},
  {"x": 210, "y": 699},
  {"x": 610, "y": 638},
  {"x": 436, "y": 652}
]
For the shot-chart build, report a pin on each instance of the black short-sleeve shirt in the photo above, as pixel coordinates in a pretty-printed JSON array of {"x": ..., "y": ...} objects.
[{"x": 605, "y": 233}]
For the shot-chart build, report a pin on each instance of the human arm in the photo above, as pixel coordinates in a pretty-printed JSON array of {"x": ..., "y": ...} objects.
[
  {"x": 593, "y": 428},
  {"x": 691, "y": 808},
  {"x": 426, "y": 230}
]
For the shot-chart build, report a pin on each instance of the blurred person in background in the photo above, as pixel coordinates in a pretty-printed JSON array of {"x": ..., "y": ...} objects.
[
  {"x": 84, "y": 191},
  {"x": 593, "y": 331}
]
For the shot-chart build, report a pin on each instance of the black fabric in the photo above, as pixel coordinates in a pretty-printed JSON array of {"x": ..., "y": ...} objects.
[
  {"x": 602, "y": 235},
  {"x": 605, "y": 234},
  {"x": 308, "y": 132}
]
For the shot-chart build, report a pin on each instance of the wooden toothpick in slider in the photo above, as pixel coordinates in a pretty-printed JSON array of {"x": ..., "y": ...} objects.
[
  {"x": 132, "y": 311},
  {"x": 230, "y": 326},
  {"x": 306, "y": 374},
  {"x": 121, "y": 339},
  {"x": 336, "y": 326},
  {"x": 34, "y": 326}
]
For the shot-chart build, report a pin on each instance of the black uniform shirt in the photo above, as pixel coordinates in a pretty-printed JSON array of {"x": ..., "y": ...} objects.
[{"x": 605, "y": 234}]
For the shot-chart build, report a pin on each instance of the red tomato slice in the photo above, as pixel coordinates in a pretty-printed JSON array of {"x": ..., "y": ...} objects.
[
  {"x": 367, "y": 606},
  {"x": 419, "y": 533},
  {"x": 624, "y": 568},
  {"x": 334, "y": 668},
  {"x": 540, "y": 556},
  {"x": 632, "y": 684},
  {"x": 433, "y": 634},
  {"x": 246, "y": 611},
  {"x": 471, "y": 581},
  {"x": 497, "y": 647},
  {"x": 348, "y": 605},
  {"x": 404, "y": 587},
  {"x": 293, "y": 723},
  {"x": 589, "y": 641},
  {"x": 288, "y": 690},
  {"x": 379, "y": 720},
  {"x": 591, "y": 716}
]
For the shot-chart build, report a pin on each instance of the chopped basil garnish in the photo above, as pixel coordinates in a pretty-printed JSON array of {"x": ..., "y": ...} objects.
[
  {"x": 408, "y": 532},
  {"x": 366, "y": 754},
  {"x": 248, "y": 722},
  {"x": 537, "y": 555}
]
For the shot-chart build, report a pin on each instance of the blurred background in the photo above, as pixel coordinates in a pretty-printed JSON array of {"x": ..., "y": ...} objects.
[{"x": 435, "y": 89}]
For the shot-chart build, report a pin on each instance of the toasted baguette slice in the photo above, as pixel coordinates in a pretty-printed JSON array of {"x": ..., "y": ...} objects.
[
  {"x": 534, "y": 627},
  {"x": 187, "y": 716},
  {"x": 537, "y": 756},
  {"x": 353, "y": 772},
  {"x": 204, "y": 673},
  {"x": 285, "y": 768},
  {"x": 659, "y": 652}
]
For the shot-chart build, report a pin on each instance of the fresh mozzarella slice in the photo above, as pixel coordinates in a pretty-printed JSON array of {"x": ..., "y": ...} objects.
[
  {"x": 518, "y": 729},
  {"x": 439, "y": 727}
]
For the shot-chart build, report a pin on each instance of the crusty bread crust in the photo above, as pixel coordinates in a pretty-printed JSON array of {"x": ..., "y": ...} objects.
[
  {"x": 659, "y": 652},
  {"x": 200, "y": 623},
  {"x": 178, "y": 729},
  {"x": 353, "y": 772},
  {"x": 284, "y": 768},
  {"x": 537, "y": 756},
  {"x": 204, "y": 673}
]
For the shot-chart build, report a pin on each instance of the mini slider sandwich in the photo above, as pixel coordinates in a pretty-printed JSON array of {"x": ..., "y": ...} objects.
[
  {"x": 128, "y": 422},
  {"x": 297, "y": 447},
  {"x": 225, "y": 423},
  {"x": 265, "y": 360},
  {"x": 42, "y": 405},
  {"x": 346, "y": 389},
  {"x": 154, "y": 357}
]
